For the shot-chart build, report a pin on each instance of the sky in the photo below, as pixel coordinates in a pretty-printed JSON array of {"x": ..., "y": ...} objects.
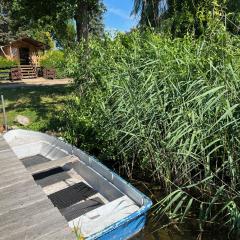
[{"x": 118, "y": 16}]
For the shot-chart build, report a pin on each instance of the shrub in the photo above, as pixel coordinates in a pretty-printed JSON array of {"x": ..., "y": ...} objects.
[
  {"x": 6, "y": 63},
  {"x": 169, "y": 108},
  {"x": 55, "y": 59}
]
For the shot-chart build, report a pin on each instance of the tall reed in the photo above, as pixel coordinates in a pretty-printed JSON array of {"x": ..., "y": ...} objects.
[{"x": 169, "y": 110}]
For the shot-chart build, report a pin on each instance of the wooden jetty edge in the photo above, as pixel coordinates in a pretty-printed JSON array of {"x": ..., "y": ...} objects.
[{"x": 25, "y": 210}]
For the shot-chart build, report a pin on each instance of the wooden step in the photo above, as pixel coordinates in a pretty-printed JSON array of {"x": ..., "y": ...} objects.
[
  {"x": 28, "y": 77},
  {"x": 28, "y": 74},
  {"x": 52, "y": 164},
  {"x": 28, "y": 70},
  {"x": 26, "y": 66}
]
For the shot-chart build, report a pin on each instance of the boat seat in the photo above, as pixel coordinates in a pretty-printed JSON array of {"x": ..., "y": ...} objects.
[
  {"x": 51, "y": 177},
  {"x": 52, "y": 164}
]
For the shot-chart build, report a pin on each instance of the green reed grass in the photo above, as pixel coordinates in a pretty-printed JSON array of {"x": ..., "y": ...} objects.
[{"x": 169, "y": 110}]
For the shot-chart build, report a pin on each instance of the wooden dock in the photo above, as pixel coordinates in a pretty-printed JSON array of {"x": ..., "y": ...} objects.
[{"x": 26, "y": 213}]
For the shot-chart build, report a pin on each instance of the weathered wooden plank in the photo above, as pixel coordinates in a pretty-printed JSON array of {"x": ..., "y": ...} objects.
[
  {"x": 3, "y": 145},
  {"x": 18, "y": 193},
  {"x": 22, "y": 222},
  {"x": 64, "y": 233},
  {"x": 7, "y": 155},
  {"x": 12, "y": 170},
  {"x": 25, "y": 210},
  {"x": 10, "y": 181},
  {"x": 38, "y": 227},
  {"x": 20, "y": 214},
  {"x": 15, "y": 203},
  {"x": 52, "y": 164}
]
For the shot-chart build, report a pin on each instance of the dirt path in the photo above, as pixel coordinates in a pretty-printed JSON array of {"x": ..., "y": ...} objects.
[{"x": 35, "y": 82}]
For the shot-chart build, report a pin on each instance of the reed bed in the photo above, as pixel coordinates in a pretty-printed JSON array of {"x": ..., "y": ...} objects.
[{"x": 168, "y": 111}]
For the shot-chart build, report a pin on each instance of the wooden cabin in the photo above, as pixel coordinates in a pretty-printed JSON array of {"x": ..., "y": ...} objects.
[{"x": 26, "y": 51}]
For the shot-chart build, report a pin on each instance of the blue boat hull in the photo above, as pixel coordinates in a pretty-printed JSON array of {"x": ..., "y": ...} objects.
[
  {"x": 126, "y": 208},
  {"x": 125, "y": 231}
]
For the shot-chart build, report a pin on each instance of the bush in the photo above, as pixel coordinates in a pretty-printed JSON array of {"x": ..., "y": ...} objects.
[
  {"x": 55, "y": 59},
  {"x": 6, "y": 63},
  {"x": 169, "y": 108}
]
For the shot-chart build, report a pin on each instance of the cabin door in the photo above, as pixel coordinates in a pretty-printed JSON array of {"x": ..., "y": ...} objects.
[{"x": 24, "y": 56}]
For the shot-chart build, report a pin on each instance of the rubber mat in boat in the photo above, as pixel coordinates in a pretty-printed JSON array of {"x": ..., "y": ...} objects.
[
  {"x": 52, "y": 179},
  {"x": 79, "y": 209},
  {"x": 71, "y": 195},
  {"x": 34, "y": 160},
  {"x": 47, "y": 173}
]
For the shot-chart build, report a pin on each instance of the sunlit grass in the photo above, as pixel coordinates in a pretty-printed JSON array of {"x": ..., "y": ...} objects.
[{"x": 39, "y": 104}]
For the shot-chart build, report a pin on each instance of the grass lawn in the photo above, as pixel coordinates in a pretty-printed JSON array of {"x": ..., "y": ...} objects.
[{"x": 41, "y": 104}]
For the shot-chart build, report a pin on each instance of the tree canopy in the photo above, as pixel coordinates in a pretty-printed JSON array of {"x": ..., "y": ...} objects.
[
  {"x": 5, "y": 32},
  {"x": 86, "y": 14},
  {"x": 187, "y": 15}
]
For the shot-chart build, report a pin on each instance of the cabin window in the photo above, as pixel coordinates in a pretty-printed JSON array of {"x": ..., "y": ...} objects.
[{"x": 14, "y": 52}]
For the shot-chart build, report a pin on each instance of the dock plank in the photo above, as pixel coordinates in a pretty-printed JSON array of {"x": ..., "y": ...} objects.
[{"x": 25, "y": 210}]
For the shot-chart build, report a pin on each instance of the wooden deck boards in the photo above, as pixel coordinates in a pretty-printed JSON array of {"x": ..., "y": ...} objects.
[{"x": 25, "y": 210}]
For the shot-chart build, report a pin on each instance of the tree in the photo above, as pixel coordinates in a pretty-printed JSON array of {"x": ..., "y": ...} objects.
[
  {"x": 192, "y": 16},
  {"x": 148, "y": 10},
  {"x": 5, "y": 32},
  {"x": 58, "y": 12},
  {"x": 7, "y": 21}
]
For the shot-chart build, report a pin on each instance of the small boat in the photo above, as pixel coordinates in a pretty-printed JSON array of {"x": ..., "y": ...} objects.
[{"x": 96, "y": 202}]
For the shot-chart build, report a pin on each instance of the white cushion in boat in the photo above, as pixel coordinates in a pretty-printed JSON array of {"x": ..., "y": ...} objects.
[{"x": 102, "y": 217}]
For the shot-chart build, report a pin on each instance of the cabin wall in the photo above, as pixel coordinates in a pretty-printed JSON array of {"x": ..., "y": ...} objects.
[
  {"x": 12, "y": 52},
  {"x": 33, "y": 51}
]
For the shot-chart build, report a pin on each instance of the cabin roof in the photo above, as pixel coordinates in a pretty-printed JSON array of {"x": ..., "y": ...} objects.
[{"x": 31, "y": 41}]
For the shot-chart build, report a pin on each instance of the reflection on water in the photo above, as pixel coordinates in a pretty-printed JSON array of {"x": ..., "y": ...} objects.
[
  {"x": 151, "y": 232},
  {"x": 166, "y": 234}
]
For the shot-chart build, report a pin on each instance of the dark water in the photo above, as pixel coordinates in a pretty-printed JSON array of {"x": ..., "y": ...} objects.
[
  {"x": 155, "y": 230},
  {"x": 170, "y": 234}
]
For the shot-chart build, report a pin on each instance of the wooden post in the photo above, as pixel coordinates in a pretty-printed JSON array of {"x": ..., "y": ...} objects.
[{"x": 4, "y": 114}]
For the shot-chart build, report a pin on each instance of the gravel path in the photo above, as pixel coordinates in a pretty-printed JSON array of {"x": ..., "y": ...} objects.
[{"x": 35, "y": 82}]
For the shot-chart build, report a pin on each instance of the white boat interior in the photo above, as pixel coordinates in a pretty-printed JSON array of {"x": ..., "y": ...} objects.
[{"x": 88, "y": 195}]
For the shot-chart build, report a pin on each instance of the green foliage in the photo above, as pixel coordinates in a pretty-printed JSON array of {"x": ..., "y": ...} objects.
[
  {"x": 55, "y": 59},
  {"x": 187, "y": 16},
  {"x": 66, "y": 36},
  {"x": 6, "y": 63},
  {"x": 88, "y": 16},
  {"x": 148, "y": 11},
  {"x": 168, "y": 109},
  {"x": 193, "y": 16},
  {"x": 5, "y": 20},
  {"x": 42, "y": 36}
]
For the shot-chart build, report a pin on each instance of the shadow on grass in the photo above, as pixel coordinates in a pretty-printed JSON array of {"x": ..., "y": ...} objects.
[{"x": 45, "y": 103}]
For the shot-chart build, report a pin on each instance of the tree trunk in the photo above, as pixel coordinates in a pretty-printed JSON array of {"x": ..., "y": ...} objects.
[
  {"x": 150, "y": 13},
  {"x": 82, "y": 20}
]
